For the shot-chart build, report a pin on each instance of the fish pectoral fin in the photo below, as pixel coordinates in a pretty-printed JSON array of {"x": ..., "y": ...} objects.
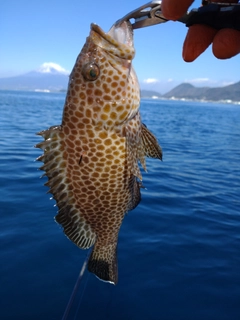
[
  {"x": 103, "y": 262},
  {"x": 149, "y": 144}
]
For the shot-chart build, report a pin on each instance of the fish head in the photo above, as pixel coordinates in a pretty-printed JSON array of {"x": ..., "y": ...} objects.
[{"x": 103, "y": 84}]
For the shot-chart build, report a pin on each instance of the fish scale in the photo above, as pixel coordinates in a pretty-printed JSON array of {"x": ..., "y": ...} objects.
[{"x": 91, "y": 159}]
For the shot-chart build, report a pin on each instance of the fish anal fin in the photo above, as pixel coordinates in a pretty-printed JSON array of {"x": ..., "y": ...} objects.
[
  {"x": 103, "y": 262},
  {"x": 149, "y": 144}
]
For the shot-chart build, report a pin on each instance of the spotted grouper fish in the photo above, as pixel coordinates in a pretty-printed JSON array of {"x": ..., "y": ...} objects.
[{"x": 91, "y": 159}]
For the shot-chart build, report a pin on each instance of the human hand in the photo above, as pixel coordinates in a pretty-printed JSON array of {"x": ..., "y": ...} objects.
[{"x": 225, "y": 42}]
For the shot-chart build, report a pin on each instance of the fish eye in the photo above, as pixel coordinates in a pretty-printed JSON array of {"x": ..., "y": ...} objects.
[{"x": 90, "y": 71}]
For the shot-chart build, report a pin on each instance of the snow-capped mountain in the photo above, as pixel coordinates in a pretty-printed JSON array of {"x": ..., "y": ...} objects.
[
  {"x": 53, "y": 68},
  {"x": 49, "y": 76}
]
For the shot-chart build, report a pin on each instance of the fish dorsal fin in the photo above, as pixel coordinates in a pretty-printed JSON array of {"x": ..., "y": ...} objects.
[
  {"x": 149, "y": 144},
  {"x": 75, "y": 227},
  {"x": 55, "y": 164}
]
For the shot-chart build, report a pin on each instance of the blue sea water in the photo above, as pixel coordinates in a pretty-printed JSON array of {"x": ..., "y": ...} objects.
[{"x": 179, "y": 250}]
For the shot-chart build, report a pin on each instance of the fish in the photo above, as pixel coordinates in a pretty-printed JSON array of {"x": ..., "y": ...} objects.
[{"x": 92, "y": 158}]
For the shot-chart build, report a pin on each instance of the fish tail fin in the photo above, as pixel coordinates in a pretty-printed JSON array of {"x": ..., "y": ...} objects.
[{"x": 103, "y": 262}]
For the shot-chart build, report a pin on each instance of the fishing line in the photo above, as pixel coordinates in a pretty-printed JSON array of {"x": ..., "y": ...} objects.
[
  {"x": 74, "y": 292},
  {"x": 109, "y": 303},
  {"x": 80, "y": 299}
]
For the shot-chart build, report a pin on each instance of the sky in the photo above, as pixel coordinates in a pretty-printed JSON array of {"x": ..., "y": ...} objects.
[{"x": 36, "y": 32}]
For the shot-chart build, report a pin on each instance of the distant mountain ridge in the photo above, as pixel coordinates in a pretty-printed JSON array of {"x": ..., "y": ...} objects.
[
  {"x": 51, "y": 76},
  {"x": 150, "y": 94},
  {"x": 188, "y": 91},
  {"x": 35, "y": 81}
]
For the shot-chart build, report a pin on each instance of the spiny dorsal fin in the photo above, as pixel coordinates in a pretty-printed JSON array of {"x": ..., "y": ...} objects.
[
  {"x": 74, "y": 225},
  {"x": 149, "y": 144}
]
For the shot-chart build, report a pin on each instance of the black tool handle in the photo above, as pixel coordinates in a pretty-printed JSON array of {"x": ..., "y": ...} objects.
[{"x": 216, "y": 16}]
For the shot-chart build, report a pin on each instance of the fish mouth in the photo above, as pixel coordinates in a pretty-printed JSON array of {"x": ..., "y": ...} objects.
[
  {"x": 118, "y": 40},
  {"x": 123, "y": 33}
]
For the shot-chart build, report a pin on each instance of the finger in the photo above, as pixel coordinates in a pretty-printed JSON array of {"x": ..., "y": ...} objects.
[
  {"x": 198, "y": 38},
  {"x": 226, "y": 43},
  {"x": 174, "y": 9}
]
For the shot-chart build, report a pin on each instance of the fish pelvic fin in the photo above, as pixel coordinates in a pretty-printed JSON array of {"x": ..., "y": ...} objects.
[
  {"x": 103, "y": 262},
  {"x": 132, "y": 132},
  {"x": 149, "y": 144},
  {"x": 135, "y": 186}
]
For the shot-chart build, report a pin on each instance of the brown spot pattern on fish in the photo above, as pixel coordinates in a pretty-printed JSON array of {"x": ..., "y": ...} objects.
[{"x": 91, "y": 159}]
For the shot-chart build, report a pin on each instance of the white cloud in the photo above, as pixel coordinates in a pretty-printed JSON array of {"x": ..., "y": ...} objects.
[
  {"x": 150, "y": 80},
  {"x": 52, "y": 67},
  {"x": 227, "y": 83},
  {"x": 199, "y": 80},
  {"x": 170, "y": 80},
  {"x": 208, "y": 82}
]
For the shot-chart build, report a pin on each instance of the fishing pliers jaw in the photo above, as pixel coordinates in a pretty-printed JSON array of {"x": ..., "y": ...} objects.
[
  {"x": 148, "y": 14},
  {"x": 215, "y": 15}
]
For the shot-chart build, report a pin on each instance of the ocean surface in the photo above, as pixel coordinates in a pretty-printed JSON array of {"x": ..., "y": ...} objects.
[{"x": 178, "y": 251}]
